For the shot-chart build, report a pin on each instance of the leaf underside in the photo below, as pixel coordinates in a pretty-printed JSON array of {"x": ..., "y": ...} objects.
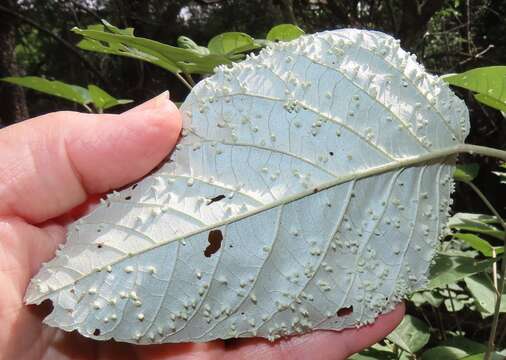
[{"x": 273, "y": 216}]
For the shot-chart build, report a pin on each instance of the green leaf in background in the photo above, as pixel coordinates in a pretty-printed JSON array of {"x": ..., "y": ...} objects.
[
  {"x": 445, "y": 353},
  {"x": 111, "y": 40},
  {"x": 454, "y": 348},
  {"x": 373, "y": 354},
  {"x": 231, "y": 43},
  {"x": 478, "y": 223},
  {"x": 490, "y": 101},
  {"x": 501, "y": 174},
  {"x": 284, "y": 32},
  {"x": 482, "y": 289},
  {"x": 102, "y": 100},
  {"x": 377, "y": 352},
  {"x": 411, "y": 335},
  {"x": 489, "y": 82},
  {"x": 426, "y": 297},
  {"x": 479, "y": 244},
  {"x": 185, "y": 42},
  {"x": 60, "y": 89},
  {"x": 466, "y": 172},
  {"x": 495, "y": 356},
  {"x": 449, "y": 269}
]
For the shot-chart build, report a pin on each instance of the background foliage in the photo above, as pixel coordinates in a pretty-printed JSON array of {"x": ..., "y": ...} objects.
[{"x": 452, "y": 318}]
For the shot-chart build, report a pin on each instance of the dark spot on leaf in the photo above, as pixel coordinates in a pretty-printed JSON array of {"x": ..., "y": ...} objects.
[
  {"x": 72, "y": 291},
  {"x": 99, "y": 230},
  {"x": 128, "y": 198},
  {"x": 96, "y": 332},
  {"x": 344, "y": 311},
  {"x": 331, "y": 153},
  {"x": 315, "y": 190},
  {"x": 231, "y": 246},
  {"x": 134, "y": 186},
  {"x": 216, "y": 199},
  {"x": 99, "y": 246},
  {"x": 215, "y": 237}
]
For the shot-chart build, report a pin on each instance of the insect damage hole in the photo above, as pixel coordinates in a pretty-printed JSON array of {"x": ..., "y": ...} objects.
[
  {"x": 216, "y": 199},
  {"x": 344, "y": 311},
  {"x": 215, "y": 237},
  {"x": 96, "y": 332}
]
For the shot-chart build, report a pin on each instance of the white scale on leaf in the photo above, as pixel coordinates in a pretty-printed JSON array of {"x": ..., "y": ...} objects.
[{"x": 288, "y": 205}]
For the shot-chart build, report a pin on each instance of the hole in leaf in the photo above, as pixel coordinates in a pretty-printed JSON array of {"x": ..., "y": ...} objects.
[
  {"x": 216, "y": 199},
  {"x": 215, "y": 238},
  {"x": 128, "y": 198},
  {"x": 344, "y": 311},
  {"x": 96, "y": 332}
]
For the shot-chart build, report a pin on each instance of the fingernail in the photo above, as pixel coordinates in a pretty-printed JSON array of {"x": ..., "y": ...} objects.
[{"x": 159, "y": 102}]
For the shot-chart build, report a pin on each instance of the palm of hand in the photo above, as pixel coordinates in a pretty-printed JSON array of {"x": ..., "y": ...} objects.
[{"x": 49, "y": 165}]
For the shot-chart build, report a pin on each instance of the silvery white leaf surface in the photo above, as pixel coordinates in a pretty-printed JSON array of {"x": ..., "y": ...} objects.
[{"x": 289, "y": 205}]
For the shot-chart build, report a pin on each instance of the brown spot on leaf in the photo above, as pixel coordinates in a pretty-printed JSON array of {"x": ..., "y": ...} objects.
[
  {"x": 344, "y": 311},
  {"x": 215, "y": 238}
]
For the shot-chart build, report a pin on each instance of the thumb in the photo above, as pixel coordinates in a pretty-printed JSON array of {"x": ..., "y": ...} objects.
[{"x": 50, "y": 164}]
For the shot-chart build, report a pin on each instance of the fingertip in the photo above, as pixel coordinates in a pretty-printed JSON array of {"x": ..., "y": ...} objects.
[{"x": 118, "y": 149}]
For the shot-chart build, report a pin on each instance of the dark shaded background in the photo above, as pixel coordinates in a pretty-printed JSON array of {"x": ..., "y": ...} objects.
[{"x": 447, "y": 36}]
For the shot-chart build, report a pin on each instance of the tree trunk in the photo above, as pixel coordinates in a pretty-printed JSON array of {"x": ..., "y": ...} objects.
[
  {"x": 287, "y": 11},
  {"x": 13, "y": 107}
]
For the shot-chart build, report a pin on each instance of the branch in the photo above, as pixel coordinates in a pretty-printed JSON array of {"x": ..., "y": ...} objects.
[{"x": 64, "y": 42}]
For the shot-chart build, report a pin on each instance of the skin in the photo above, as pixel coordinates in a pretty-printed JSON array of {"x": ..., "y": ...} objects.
[{"x": 51, "y": 169}]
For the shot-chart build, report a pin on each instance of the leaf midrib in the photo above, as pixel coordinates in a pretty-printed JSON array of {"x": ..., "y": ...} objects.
[{"x": 394, "y": 165}]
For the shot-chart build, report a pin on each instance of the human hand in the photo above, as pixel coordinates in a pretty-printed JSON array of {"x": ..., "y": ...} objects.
[{"x": 51, "y": 164}]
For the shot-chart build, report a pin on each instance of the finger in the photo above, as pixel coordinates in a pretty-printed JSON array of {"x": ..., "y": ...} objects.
[
  {"x": 213, "y": 350},
  {"x": 50, "y": 164},
  {"x": 321, "y": 345}
]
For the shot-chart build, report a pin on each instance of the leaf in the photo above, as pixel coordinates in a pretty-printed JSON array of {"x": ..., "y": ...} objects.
[
  {"x": 478, "y": 223},
  {"x": 489, "y": 82},
  {"x": 373, "y": 354},
  {"x": 482, "y": 289},
  {"x": 479, "y": 244},
  {"x": 231, "y": 43},
  {"x": 490, "y": 101},
  {"x": 449, "y": 269},
  {"x": 444, "y": 353},
  {"x": 73, "y": 93},
  {"x": 501, "y": 174},
  {"x": 187, "y": 43},
  {"x": 495, "y": 356},
  {"x": 103, "y": 100},
  {"x": 111, "y": 40},
  {"x": 429, "y": 297},
  {"x": 287, "y": 206},
  {"x": 454, "y": 348},
  {"x": 411, "y": 335},
  {"x": 284, "y": 32},
  {"x": 466, "y": 172}
]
